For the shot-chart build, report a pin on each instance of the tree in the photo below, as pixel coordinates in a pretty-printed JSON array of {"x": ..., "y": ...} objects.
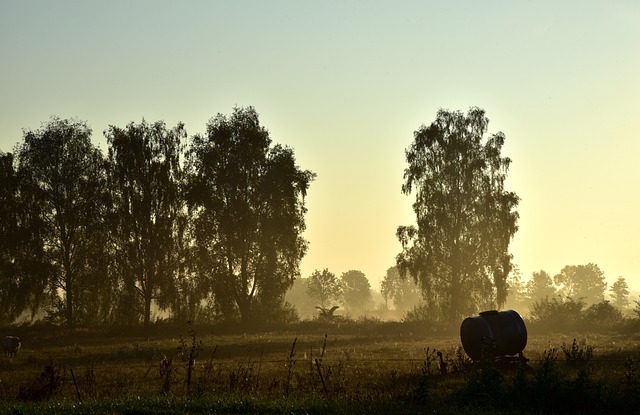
[
  {"x": 298, "y": 297},
  {"x": 517, "y": 290},
  {"x": 582, "y": 282},
  {"x": 620, "y": 293},
  {"x": 404, "y": 292},
  {"x": 145, "y": 180},
  {"x": 64, "y": 175},
  {"x": 602, "y": 314},
  {"x": 324, "y": 288},
  {"x": 356, "y": 290},
  {"x": 23, "y": 269},
  {"x": 247, "y": 203},
  {"x": 540, "y": 286},
  {"x": 459, "y": 251}
]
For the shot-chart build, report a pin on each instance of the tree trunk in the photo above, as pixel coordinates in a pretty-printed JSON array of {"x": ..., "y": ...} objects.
[
  {"x": 69, "y": 303},
  {"x": 147, "y": 310}
]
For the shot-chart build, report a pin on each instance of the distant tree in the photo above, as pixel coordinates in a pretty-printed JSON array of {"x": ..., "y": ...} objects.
[
  {"x": 582, "y": 281},
  {"x": 620, "y": 293},
  {"x": 540, "y": 286},
  {"x": 145, "y": 179},
  {"x": 356, "y": 290},
  {"x": 298, "y": 297},
  {"x": 324, "y": 288},
  {"x": 247, "y": 202},
  {"x": 459, "y": 251},
  {"x": 517, "y": 295},
  {"x": 65, "y": 175},
  {"x": 403, "y": 292}
]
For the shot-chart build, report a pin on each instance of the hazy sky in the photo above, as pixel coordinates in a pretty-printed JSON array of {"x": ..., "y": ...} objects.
[{"x": 346, "y": 83}]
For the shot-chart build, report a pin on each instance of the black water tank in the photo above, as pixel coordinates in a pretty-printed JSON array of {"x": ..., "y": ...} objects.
[{"x": 505, "y": 329}]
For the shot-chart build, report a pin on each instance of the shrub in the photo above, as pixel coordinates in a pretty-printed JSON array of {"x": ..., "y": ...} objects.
[
  {"x": 556, "y": 314},
  {"x": 602, "y": 315}
]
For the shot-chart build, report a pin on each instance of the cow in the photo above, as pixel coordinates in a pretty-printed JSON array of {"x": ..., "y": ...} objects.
[{"x": 11, "y": 345}]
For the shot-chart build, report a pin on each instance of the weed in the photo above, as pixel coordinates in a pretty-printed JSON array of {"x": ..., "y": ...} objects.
[
  {"x": 189, "y": 352},
  {"x": 578, "y": 356},
  {"x": 422, "y": 394},
  {"x": 290, "y": 364},
  {"x": 45, "y": 386}
]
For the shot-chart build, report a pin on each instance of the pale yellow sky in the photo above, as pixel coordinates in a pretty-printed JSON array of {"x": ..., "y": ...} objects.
[{"x": 346, "y": 83}]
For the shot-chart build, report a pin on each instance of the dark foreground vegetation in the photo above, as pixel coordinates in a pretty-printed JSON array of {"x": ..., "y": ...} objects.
[{"x": 313, "y": 367}]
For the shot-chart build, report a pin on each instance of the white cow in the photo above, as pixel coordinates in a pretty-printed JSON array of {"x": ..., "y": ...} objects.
[{"x": 11, "y": 345}]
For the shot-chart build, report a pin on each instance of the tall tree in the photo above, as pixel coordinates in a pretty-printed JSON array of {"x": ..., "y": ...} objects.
[
  {"x": 584, "y": 282},
  {"x": 459, "y": 251},
  {"x": 145, "y": 180},
  {"x": 356, "y": 290},
  {"x": 247, "y": 203},
  {"x": 23, "y": 270},
  {"x": 540, "y": 286},
  {"x": 64, "y": 172},
  {"x": 324, "y": 288},
  {"x": 620, "y": 293}
]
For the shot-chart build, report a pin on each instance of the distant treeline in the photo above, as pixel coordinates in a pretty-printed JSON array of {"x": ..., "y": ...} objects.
[{"x": 205, "y": 227}]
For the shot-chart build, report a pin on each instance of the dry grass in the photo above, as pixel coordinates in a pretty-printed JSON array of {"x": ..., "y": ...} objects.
[{"x": 367, "y": 369}]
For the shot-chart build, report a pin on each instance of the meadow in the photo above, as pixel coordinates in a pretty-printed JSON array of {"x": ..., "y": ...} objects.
[{"x": 355, "y": 367}]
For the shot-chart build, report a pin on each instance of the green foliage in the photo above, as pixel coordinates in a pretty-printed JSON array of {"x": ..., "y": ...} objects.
[{"x": 461, "y": 204}]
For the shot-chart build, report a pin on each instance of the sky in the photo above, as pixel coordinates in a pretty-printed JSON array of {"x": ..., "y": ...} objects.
[{"x": 346, "y": 83}]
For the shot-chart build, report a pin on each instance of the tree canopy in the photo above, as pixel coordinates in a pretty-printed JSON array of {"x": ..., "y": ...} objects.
[
  {"x": 356, "y": 290},
  {"x": 324, "y": 288},
  {"x": 247, "y": 200},
  {"x": 458, "y": 250},
  {"x": 581, "y": 282},
  {"x": 64, "y": 174},
  {"x": 145, "y": 182},
  {"x": 89, "y": 239}
]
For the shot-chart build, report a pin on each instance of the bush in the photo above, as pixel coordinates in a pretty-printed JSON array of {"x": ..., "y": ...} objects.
[
  {"x": 602, "y": 315},
  {"x": 556, "y": 314}
]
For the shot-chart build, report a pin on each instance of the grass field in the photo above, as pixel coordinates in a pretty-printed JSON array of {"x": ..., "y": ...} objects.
[{"x": 312, "y": 369}]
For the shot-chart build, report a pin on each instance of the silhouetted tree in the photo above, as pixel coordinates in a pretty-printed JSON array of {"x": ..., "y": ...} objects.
[
  {"x": 145, "y": 179},
  {"x": 620, "y": 293},
  {"x": 404, "y": 292},
  {"x": 540, "y": 286},
  {"x": 65, "y": 176},
  {"x": 356, "y": 290},
  {"x": 324, "y": 288},
  {"x": 582, "y": 282},
  {"x": 23, "y": 270},
  {"x": 459, "y": 251},
  {"x": 247, "y": 204}
]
